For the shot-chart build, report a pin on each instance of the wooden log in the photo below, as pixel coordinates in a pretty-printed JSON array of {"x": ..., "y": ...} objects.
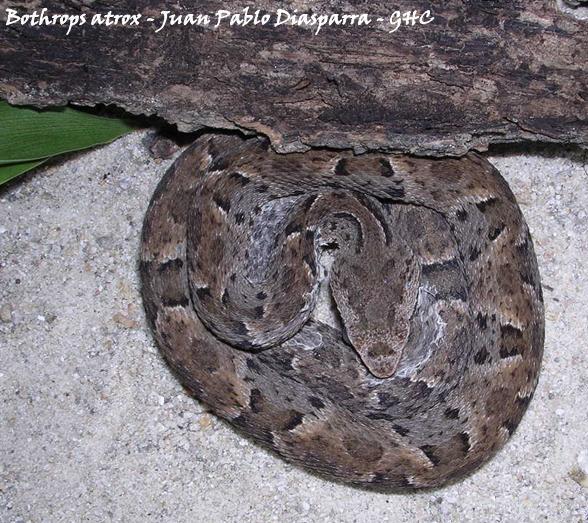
[{"x": 481, "y": 72}]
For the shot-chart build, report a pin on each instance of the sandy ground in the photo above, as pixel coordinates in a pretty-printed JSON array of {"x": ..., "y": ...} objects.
[{"x": 94, "y": 427}]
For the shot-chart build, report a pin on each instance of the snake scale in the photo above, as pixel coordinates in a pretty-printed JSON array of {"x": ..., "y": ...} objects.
[{"x": 431, "y": 350}]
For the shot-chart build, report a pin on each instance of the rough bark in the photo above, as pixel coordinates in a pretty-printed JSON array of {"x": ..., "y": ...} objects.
[{"x": 482, "y": 72}]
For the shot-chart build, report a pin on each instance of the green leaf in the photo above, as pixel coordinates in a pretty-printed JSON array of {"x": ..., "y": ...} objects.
[
  {"x": 10, "y": 171},
  {"x": 27, "y": 134}
]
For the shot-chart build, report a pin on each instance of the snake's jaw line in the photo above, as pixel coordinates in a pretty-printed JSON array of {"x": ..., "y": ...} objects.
[{"x": 436, "y": 341}]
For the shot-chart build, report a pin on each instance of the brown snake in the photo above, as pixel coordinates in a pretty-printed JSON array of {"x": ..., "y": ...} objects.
[{"x": 434, "y": 347}]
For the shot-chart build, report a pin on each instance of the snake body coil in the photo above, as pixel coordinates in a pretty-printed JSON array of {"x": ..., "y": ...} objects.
[{"x": 433, "y": 350}]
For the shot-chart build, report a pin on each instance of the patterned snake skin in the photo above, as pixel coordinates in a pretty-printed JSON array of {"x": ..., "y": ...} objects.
[{"x": 433, "y": 347}]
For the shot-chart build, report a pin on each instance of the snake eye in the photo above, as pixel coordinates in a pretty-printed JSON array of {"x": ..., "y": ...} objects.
[{"x": 331, "y": 246}]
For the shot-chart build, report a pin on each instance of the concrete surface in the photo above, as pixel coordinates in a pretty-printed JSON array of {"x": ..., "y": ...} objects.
[{"x": 95, "y": 428}]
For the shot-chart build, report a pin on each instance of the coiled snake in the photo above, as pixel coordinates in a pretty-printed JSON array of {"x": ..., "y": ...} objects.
[{"x": 433, "y": 350}]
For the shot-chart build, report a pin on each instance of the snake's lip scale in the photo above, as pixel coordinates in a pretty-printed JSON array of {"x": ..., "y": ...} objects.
[{"x": 434, "y": 278}]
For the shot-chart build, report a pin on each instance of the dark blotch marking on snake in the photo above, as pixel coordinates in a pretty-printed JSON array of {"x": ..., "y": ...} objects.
[
  {"x": 486, "y": 204},
  {"x": 223, "y": 203},
  {"x": 495, "y": 232},
  {"x": 481, "y": 356},
  {"x": 203, "y": 293},
  {"x": 317, "y": 403},
  {"x": 341, "y": 168},
  {"x": 243, "y": 180},
  {"x": 296, "y": 418},
  {"x": 429, "y": 451},
  {"x": 452, "y": 413}
]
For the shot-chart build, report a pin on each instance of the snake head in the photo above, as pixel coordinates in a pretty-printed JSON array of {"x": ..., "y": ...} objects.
[{"x": 376, "y": 303}]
